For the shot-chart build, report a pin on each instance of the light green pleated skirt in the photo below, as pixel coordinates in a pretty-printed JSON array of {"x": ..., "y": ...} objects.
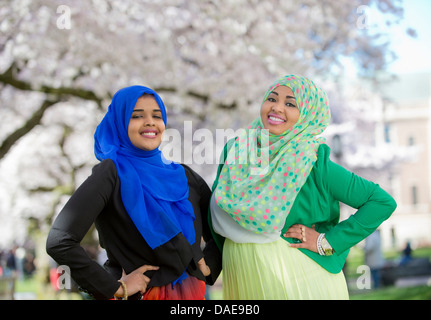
[{"x": 273, "y": 271}]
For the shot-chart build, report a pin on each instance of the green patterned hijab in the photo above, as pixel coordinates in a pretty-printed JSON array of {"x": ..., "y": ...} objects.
[{"x": 263, "y": 173}]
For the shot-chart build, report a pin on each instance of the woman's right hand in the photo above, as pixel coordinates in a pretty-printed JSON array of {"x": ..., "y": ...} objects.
[{"x": 136, "y": 281}]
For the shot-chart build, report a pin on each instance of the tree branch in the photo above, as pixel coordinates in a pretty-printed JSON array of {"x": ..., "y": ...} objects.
[
  {"x": 54, "y": 95},
  {"x": 8, "y": 78},
  {"x": 33, "y": 121}
]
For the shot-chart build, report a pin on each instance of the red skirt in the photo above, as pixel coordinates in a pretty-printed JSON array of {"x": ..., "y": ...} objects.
[{"x": 190, "y": 288}]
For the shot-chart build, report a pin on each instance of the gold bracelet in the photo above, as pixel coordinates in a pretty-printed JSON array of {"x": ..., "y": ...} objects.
[{"x": 123, "y": 285}]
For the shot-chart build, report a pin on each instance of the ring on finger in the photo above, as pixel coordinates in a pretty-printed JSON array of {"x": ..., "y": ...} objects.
[{"x": 303, "y": 234}]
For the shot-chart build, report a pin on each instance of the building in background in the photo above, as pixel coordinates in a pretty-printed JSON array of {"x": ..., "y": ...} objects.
[{"x": 406, "y": 124}]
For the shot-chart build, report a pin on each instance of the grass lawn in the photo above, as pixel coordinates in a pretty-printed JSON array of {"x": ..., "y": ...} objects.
[
  {"x": 27, "y": 285},
  {"x": 393, "y": 293},
  {"x": 389, "y": 293},
  {"x": 355, "y": 259},
  {"x": 41, "y": 291}
]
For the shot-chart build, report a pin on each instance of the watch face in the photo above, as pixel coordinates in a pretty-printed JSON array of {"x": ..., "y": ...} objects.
[
  {"x": 328, "y": 252},
  {"x": 326, "y": 247}
]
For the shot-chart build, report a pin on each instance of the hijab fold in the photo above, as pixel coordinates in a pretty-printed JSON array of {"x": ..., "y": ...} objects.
[
  {"x": 263, "y": 173},
  {"x": 154, "y": 190}
]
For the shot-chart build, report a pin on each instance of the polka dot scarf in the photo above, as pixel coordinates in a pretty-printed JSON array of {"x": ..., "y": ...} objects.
[{"x": 263, "y": 173}]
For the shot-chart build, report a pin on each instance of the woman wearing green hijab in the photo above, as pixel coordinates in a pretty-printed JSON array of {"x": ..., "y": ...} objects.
[{"x": 275, "y": 205}]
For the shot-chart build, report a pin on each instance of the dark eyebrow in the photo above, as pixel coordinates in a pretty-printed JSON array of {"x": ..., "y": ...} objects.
[
  {"x": 288, "y": 97},
  {"x": 140, "y": 110}
]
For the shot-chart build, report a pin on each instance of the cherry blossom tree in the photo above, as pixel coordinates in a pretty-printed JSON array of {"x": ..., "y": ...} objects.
[{"x": 211, "y": 60}]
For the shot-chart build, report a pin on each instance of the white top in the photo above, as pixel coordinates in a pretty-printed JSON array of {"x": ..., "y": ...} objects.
[{"x": 227, "y": 227}]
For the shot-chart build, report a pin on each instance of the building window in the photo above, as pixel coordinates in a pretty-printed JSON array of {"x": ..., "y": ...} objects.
[
  {"x": 414, "y": 195},
  {"x": 387, "y": 133},
  {"x": 411, "y": 141}
]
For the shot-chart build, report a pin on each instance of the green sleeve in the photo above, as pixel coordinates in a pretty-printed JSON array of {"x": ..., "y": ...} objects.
[
  {"x": 219, "y": 240},
  {"x": 373, "y": 203}
]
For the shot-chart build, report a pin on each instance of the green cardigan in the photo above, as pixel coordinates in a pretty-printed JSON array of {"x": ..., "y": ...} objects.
[{"x": 318, "y": 203}]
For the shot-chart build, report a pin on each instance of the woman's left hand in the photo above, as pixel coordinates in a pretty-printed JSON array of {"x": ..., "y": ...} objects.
[
  {"x": 307, "y": 236},
  {"x": 203, "y": 267}
]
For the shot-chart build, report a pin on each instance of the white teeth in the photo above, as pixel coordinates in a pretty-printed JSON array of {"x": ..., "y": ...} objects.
[
  {"x": 276, "y": 119},
  {"x": 149, "y": 134}
]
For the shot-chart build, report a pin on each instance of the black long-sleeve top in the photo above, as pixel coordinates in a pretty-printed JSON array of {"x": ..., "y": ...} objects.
[{"x": 98, "y": 200}]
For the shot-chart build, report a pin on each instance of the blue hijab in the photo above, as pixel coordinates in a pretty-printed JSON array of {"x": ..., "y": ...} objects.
[{"x": 154, "y": 190}]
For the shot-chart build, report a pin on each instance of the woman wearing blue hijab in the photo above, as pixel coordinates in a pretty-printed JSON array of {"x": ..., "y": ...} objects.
[{"x": 147, "y": 210}]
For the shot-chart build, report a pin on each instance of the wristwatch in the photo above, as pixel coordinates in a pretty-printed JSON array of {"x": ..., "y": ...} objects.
[
  {"x": 323, "y": 246},
  {"x": 327, "y": 249}
]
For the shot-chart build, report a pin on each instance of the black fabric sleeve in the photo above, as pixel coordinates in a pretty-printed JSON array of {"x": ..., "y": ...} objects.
[
  {"x": 212, "y": 254},
  {"x": 74, "y": 221}
]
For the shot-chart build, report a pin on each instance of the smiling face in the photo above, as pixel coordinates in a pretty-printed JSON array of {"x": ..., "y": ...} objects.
[
  {"x": 279, "y": 111},
  {"x": 146, "y": 125}
]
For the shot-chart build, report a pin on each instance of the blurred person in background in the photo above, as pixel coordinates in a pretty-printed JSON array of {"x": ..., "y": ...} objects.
[
  {"x": 374, "y": 256},
  {"x": 406, "y": 254},
  {"x": 11, "y": 267}
]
